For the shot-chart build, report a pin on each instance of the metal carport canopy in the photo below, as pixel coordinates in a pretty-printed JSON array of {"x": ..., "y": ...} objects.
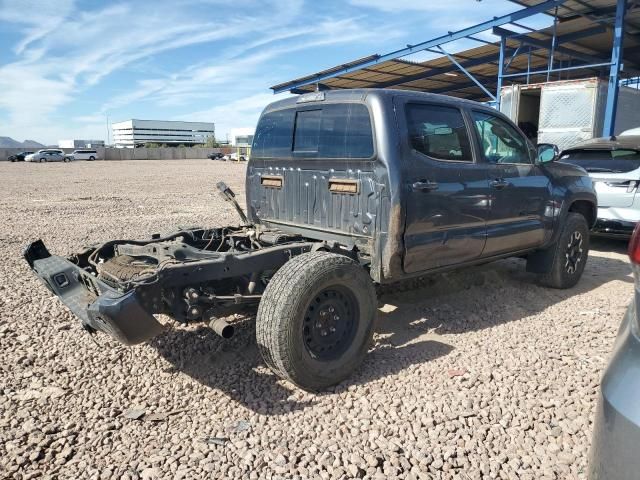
[{"x": 582, "y": 48}]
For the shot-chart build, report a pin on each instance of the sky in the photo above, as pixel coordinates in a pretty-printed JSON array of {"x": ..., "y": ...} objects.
[{"x": 67, "y": 67}]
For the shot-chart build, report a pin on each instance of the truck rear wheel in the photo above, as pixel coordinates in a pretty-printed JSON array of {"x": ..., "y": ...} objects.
[
  {"x": 315, "y": 320},
  {"x": 570, "y": 253}
]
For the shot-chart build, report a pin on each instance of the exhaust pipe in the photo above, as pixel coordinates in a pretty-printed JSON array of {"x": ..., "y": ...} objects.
[{"x": 222, "y": 328}]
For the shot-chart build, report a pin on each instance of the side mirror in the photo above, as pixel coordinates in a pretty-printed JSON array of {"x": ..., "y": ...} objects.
[{"x": 547, "y": 152}]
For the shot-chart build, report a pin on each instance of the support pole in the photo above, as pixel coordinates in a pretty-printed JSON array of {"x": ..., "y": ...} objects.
[
  {"x": 503, "y": 44},
  {"x": 614, "y": 71},
  {"x": 554, "y": 43}
]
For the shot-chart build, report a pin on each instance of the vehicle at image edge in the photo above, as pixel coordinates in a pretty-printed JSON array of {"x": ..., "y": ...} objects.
[
  {"x": 85, "y": 154},
  {"x": 631, "y": 131},
  {"x": 344, "y": 190},
  {"x": 216, "y": 156},
  {"x": 47, "y": 155},
  {"x": 616, "y": 428},
  {"x": 18, "y": 157},
  {"x": 614, "y": 166}
]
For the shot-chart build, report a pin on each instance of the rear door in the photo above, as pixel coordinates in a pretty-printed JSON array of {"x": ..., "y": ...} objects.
[
  {"x": 519, "y": 190},
  {"x": 446, "y": 203},
  {"x": 510, "y": 101}
]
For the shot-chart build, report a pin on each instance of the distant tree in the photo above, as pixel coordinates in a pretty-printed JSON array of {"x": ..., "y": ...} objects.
[
  {"x": 152, "y": 145},
  {"x": 211, "y": 142}
]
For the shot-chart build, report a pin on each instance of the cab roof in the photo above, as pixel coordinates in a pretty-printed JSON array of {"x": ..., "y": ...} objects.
[{"x": 360, "y": 94}]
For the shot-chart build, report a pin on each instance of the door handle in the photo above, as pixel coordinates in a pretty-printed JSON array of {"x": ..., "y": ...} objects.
[
  {"x": 499, "y": 183},
  {"x": 424, "y": 186}
]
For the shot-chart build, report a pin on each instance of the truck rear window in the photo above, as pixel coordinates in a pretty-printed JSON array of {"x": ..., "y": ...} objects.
[{"x": 318, "y": 131}]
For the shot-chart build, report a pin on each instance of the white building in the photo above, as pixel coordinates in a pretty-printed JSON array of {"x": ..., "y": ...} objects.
[
  {"x": 242, "y": 137},
  {"x": 138, "y": 132},
  {"x": 80, "y": 143}
]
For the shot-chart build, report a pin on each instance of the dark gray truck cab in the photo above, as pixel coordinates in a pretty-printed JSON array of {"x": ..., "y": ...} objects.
[
  {"x": 345, "y": 189},
  {"x": 431, "y": 191}
]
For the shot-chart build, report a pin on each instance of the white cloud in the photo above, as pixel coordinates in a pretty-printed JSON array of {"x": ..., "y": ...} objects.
[
  {"x": 239, "y": 67},
  {"x": 445, "y": 17},
  {"x": 65, "y": 49},
  {"x": 54, "y": 64},
  {"x": 243, "y": 112}
]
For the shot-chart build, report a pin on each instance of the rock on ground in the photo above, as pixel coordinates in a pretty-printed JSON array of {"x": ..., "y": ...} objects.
[{"x": 476, "y": 374}]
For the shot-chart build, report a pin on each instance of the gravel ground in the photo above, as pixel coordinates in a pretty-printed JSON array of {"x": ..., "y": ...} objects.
[{"x": 478, "y": 374}]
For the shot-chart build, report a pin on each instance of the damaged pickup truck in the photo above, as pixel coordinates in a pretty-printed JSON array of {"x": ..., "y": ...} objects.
[{"x": 345, "y": 190}]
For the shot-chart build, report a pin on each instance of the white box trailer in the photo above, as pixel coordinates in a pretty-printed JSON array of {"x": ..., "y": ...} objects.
[{"x": 567, "y": 112}]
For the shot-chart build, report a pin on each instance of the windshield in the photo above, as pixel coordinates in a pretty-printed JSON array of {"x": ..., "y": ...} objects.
[{"x": 603, "y": 161}]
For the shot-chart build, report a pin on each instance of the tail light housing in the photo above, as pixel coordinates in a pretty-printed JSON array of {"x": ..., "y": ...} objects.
[
  {"x": 634, "y": 250},
  {"x": 634, "y": 256}
]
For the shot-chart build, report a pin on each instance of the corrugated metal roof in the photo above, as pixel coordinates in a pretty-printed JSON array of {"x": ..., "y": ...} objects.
[
  {"x": 440, "y": 76},
  {"x": 573, "y": 8}
]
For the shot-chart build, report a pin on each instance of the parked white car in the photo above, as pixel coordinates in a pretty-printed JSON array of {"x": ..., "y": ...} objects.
[
  {"x": 234, "y": 157},
  {"x": 83, "y": 155},
  {"x": 613, "y": 163},
  {"x": 47, "y": 155},
  {"x": 631, "y": 132}
]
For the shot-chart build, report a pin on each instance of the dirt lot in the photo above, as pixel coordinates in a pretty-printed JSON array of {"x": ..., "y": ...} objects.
[{"x": 479, "y": 374}]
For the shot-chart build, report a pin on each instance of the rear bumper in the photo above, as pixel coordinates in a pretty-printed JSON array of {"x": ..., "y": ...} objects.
[
  {"x": 616, "y": 433},
  {"x": 98, "y": 306},
  {"x": 621, "y": 228}
]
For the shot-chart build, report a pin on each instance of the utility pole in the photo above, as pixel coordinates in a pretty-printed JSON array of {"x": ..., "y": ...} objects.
[{"x": 108, "y": 131}]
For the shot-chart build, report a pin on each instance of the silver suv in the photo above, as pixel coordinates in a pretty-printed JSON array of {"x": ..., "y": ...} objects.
[
  {"x": 614, "y": 166},
  {"x": 47, "y": 155},
  {"x": 83, "y": 155}
]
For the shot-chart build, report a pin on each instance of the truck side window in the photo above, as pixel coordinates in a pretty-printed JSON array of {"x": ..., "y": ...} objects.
[
  {"x": 438, "y": 132},
  {"x": 499, "y": 141}
]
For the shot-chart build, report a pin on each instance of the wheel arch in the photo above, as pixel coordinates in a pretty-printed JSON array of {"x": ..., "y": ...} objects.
[{"x": 585, "y": 208}]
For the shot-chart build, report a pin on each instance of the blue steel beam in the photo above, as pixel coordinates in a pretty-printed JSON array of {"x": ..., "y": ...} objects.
[
  {"x": 563, "y": 69},
  {"x": 438, "y": 71},
  {"x": 463, "y": 70},
  {"x": 459, "y": 86},
  {"x": 503, "y": 43},
  {"x": 450, "y": 37},
  {"x": 466, "y": 63},
  {"x": 554, "y": 43},
  {"x": 566, "y": 38},
  {"x": 534, "y": 42},
  {"x": 614, "y": 72},
  {"x": 513, "y": 56}
]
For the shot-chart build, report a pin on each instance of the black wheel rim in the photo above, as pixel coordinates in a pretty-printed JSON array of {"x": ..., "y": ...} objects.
[
  {"x": 330, "y": 323},
  {"x": 573, "y": 254}
]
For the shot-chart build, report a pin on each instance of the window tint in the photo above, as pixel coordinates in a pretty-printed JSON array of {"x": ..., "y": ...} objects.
[
  {"x": 346, "y": 132},
  {"x": 322, "y": 131},
  {"x": 273, "y": 135},
  {"x": 307, "y": 131},
  {"x": 605, "y": 161},
  {"x": 626, "y": 154},
  {"x": 499, "y": 141},
  {"x": 438, "y": 132}
]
